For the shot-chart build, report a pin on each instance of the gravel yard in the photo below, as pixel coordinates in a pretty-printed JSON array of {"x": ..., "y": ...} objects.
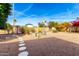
[
  {"x": 54, "y": 44},
  {"x": 9, "y": 47}
]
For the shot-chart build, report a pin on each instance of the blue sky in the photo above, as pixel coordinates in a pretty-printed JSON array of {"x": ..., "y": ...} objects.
[{"x": 36, "y": 12}]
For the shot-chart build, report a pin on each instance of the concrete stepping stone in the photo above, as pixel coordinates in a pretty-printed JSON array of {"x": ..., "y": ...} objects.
[
  {"x": 24, "y": 53},
  {"x": 21, "y": 44},
  {"x": 20, "y": 40},
  {"x": 22, "y": 48}
]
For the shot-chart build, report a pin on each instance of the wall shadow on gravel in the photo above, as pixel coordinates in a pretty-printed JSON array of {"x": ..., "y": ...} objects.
[{"x": 8, "y": 37}]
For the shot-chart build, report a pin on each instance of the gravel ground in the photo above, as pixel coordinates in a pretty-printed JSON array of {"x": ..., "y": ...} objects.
[
  {"x": 9, "y": 47},
  {"x": 53, "y": 44}
]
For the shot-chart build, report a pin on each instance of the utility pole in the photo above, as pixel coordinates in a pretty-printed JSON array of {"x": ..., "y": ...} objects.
[
  {"x": 13, "y": 13},
  {"x": 13, "y": 17}
]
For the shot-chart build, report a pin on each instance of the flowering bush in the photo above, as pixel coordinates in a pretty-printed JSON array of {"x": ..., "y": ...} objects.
[{"x": 75, "y": 23}]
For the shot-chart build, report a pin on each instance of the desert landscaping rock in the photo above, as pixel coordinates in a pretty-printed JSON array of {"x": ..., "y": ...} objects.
[
  {"x": 20, "y": 40},
  {"x": 24, "y": 53},
  {"x": 22, "y": 48},
  {"x": 21, "y": 44}
]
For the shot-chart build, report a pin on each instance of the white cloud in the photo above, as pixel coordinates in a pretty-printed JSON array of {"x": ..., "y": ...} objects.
[
  {"x": 22, "y": 13},
  {"x": 29, "y": 7}
]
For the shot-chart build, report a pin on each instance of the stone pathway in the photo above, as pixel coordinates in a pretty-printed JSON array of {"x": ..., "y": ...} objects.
[{"x": 22, "y": 48}]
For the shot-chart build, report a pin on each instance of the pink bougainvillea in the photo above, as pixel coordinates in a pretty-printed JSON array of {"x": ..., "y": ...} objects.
[{"x": 75, "y": 23}]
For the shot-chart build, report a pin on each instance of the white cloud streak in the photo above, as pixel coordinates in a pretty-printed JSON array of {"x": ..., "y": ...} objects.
[
  {"x": 68, "y": 15},
  {"x": 21, "y": 13}
]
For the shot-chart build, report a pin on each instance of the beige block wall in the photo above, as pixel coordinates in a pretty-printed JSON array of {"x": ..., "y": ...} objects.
[{"x": 2, "y": 32}]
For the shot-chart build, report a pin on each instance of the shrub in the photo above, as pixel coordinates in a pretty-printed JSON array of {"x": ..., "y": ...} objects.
[
  {"x": 40, "y": 29},
  {"x": 22, "y": 30},
  {"x": 54, "y": 31},
  {"x": 27, "y": 30}
]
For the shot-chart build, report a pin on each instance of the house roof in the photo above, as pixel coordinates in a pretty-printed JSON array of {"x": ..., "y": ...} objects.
[{"x": 29, "y": 25}]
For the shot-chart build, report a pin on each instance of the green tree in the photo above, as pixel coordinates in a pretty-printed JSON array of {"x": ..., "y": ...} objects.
[
  {"x": 52, "y": 24},
  {"x": 14, "y": 22},
  {"x": 27, "y": 30},
  {"x": 66, "y": 25},
  {"x": 41, "y": 25},
  {"x": 63, "y": 26},
  {"x": 8, "y": 27},
  {"x": 5, "y": 10}
]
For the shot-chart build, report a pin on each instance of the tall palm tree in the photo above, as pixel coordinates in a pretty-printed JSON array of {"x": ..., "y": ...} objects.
[
  {"x": 44, "y": 26},
  {"x": 14, "y": 22},
  {"x": 14, "y": 25}
]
